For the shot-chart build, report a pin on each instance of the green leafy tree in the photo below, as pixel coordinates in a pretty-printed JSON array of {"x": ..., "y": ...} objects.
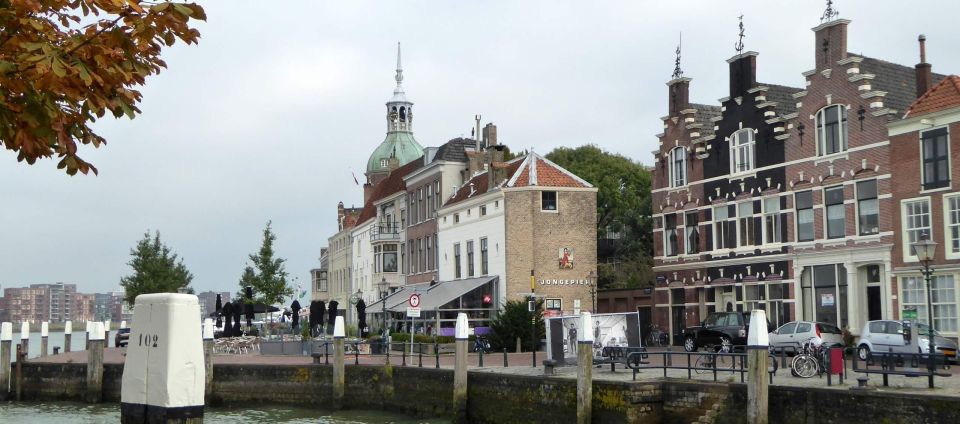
[
  {"x": 156, "y": 269},
  {"x": 266, "y": 274},
  {"x": 624, "y": 226},
  {"x": 66, "y": 63},
  {"x": 514, "y": 321}
]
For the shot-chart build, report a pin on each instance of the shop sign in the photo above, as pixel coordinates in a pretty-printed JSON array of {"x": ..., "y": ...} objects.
[
  {"x": 826, "y": 299},
  {"x": 909, "y": 313},
  {"x": 554, "y": 282}
]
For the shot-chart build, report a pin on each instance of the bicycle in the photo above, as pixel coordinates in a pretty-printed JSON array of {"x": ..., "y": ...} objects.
[
  {"x": 718, "y": 360},
  {"x": 809, "y": 361},
  {"x": 657, "y": 337}
]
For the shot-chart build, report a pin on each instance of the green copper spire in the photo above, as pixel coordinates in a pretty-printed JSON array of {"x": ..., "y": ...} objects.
[{"x": 399, "y": 141}]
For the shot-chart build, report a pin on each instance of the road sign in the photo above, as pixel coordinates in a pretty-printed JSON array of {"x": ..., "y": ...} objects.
[
  {"x": 414, "y": 301},
  {"x": 413, "y": 312}
]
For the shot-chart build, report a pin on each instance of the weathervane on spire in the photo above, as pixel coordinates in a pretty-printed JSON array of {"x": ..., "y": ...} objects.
[
  {"x": 830, "y": 13},
  {"x": 399, "y": 76},
  {"x": 677, "y": 72},
  {"x": 739, "y": 45}
]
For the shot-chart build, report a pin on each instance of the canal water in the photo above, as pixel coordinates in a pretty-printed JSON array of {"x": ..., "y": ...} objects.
[
  {"x": 81, "y": 413},
  {"x": 77, "y": 342}
]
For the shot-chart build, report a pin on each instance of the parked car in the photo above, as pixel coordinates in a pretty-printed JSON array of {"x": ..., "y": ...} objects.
[
  {"x": 120, "y": 340},
  {"x": 886, "y": 336},
  {"x": 718, "y": 330},
  {"x": 794, "y": 333}
]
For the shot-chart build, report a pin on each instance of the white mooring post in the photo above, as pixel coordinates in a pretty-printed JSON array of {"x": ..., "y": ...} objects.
[
  {"x": 6, "y": 343},
  {"x": 94, "y": 393},
  {"x": 67, "y": 336},
  {"x": 757, "y": 384},
  {"x": 164, "y": 372},
  {"x": 338, "y": 370},
  {"x": 585, "y": 369},
  {"x": 44, "y": 338},
  {"x": 460, "y": 370},
  {"x": 208, "y": 354},
  {"x": 25, "y": 338},
  {"x": 106, "y": 332}
]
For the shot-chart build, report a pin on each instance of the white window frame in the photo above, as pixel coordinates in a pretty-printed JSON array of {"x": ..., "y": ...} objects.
[
  {"x": 905, "y": 231},
  {"x": 921, "y": 292},
  {"x": 923, "y": 176},
  {"x": 776, "y": 215},
  {"x": 751, "y": 223},
  {"x": 821, "y": 131},
  {"x": 826, "y": 212},
  {"x": 736, "y": 147},
  {"x": 666, "y": 237},
  {"x": 857, "y": 200},
  {"x": 556, "y": 199},
  {"x": 736, "y": 226},
  {"x": 549, "y": 300},
  {"x": 796, "y": 217},
  {"x": 948, "y": 226},
  {"x": 678, "y": 156},
  {"x": 687, "y": 229}
]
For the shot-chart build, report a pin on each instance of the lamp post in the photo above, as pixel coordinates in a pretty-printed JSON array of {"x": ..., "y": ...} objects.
[
  {"x": 592, "y": 279},
  {"x": 925, "y": 250},
  {"x": 384, "y": 287}
]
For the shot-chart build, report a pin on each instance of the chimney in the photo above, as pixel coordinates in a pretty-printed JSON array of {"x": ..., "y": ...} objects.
[
  {"x": 679, "y": 92},
  {"x": 496, "y": 169},
  {"x": 490, "y": 134},
  {"x": 831, "y": 43},
  {"x": 341, "y": 214},
  {"x": 924, "y": 72},
  {"x": 743, "y": 73},
  {"x": 367, "y": 192}
]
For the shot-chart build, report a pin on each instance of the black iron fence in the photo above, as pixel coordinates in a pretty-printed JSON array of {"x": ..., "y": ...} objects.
[
  {"x": 905, "y": 364},
  {"x": 711, "y": 363}
]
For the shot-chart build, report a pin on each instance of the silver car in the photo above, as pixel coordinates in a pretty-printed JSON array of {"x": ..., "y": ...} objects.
[
  {"x": 889, "y": 336},
  {"x": 795, "y": 333}
]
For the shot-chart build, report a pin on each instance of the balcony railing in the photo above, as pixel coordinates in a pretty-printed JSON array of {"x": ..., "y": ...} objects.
[{"x": 386, "y": 231}]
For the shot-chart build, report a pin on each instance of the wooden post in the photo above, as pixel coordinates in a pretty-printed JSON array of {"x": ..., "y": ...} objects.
[
  {"x": 94, "y": 393},
  {"x": 208, "y": 355},
  {"x": 86, "y": 345},
  {"x": 67, "y": 336},
  {"x": 757, "y": 383},
  {"x": 106, "y": 333},
  {"x": 44, "y": 338},
  {"x": 585, "y": 369},
  {"x": 460, "y": 370},
  {"x": 338, "y": 370},
  {"x": 6, "y": 342},
  {"x": 25, "y": 338},
  {"x": 21, "y": 355}
]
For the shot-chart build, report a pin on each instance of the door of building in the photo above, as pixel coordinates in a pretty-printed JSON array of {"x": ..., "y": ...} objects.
[
  {"x": 677, "y": 317},
  {"x": 874, "y": 304},
  {"x": 646, "y": 319}
]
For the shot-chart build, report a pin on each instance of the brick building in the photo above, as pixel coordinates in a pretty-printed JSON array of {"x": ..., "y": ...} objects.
[
  {"x": 39, "y": 302},
  {"x": 926, "y": 201},
  {"x": 781, "y": 198}
]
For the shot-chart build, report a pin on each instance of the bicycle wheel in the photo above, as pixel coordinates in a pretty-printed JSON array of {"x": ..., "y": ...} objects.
[
  {"x": 704, "y": 364},
  {"x": 773, "y": 364},
  {"x": 804, "y": 366},
  {"x": 724, "y": 362}
]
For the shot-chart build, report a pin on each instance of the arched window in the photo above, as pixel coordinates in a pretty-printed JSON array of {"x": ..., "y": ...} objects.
[
  {"x": 741, "y": 151},
  {"x": 832, "y": 130},
  {"x": 403, "y": 114},
  {"x": 678, "y": 167}
]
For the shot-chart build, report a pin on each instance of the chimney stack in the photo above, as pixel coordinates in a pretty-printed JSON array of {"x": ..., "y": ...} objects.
[
  {"x": 679, "y": 92},
  {"x": 831, "y": 43},
  {"x": 743, "y": 73},
  {"x": 490, "y": 134},
  {"x": 924, "y": 69}
]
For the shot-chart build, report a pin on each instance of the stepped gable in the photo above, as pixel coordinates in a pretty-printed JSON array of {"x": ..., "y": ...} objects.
[
  {"x": 942, "y": 96},
  {"x": 704, "y": 116},
  {"x": 898, "y": 81},
  {"x": 393, "y": 183},
  {"x": 783, "y": 96}
]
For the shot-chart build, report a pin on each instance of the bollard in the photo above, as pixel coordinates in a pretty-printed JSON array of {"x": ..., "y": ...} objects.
[
  {"x": 436, "y": 354},
  {"x": 326, "y": 352},
  {"x": 387, "y": 361},
  {"x": 164, "y": 373},
  {"x": 403, "y": 351},
  {"x": 504, "y": 357},
  {"x": 460, "y": 370},
  {"x": 480, "y": 364},
  {"x": 44, "y": 338},
  {"x": 207, "y": 355},
  {"x": 757, "y": 385},
  {"x": 25, "y": 338},
  {"x": 56, "y": 350},
  {"x": 338, "y": 371},
  {"x": 356, "y": 354},
  {"x": 420, "y": 354},
  {"x": 585, "y": 370},
  {"x": 6, "y": 342},
  {"x": 67, "y": 336},
  {"x": 94, "y": 392}
]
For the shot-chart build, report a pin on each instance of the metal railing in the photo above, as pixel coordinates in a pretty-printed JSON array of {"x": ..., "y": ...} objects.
[
  {"x": 700, "y": 362},
  {"x": 905, "y": 364},
  {"x": 409, "y": 354}
]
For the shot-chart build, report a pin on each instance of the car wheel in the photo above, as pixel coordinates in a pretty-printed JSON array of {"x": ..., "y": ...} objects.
[
  {"x": 689, "y": 344},
  {"x": 863, "y": 352}
]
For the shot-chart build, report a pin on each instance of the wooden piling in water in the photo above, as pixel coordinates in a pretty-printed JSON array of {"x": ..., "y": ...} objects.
[
  {"x": 338, "y": 370},
  {"x": 585, "y": 370},
  {"x": 460, "y": 370},
  {"x": 6, "y": 342},
  {"x": 94, "y": 392}
]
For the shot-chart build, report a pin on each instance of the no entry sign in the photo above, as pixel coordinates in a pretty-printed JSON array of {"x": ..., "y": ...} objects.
[{"x": 414, "y": 300}]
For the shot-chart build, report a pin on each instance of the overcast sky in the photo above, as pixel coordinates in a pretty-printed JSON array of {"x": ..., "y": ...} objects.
[{"x": 266, "y": 118}]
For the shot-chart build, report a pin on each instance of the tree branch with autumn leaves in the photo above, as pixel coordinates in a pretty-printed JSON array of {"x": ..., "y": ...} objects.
[{"x": 58, "y": 76}]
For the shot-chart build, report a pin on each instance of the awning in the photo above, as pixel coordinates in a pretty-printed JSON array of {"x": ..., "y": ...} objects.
[{"x": 431, "y": 297}]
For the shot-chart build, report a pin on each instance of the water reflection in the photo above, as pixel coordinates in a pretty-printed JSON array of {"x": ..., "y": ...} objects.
[{"x": 80, "y": 413}]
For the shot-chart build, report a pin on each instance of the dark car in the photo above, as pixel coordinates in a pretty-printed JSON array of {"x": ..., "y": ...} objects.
[
  {"x": 718, "y": 330},
  {"x": 120, "y": 340}
]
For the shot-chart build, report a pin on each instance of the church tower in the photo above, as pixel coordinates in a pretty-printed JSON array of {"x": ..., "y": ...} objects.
[{"x": 399, "y": 147}]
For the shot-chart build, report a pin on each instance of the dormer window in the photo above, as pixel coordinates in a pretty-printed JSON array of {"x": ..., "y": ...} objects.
[
  {"x": 832, "y": 130},
  {"x": 741, "y": 151},
  {"x": 678, "y": 167}
]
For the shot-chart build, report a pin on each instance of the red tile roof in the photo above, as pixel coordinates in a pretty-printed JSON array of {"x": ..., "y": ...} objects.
[
  {"x": 545, "y": 172},
  {"x": 944, "y": 95},
  {"x": 392, "y": 184}
]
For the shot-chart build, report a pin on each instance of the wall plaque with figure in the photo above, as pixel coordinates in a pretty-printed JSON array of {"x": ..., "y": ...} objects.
[{"x": 566, "y": 258}]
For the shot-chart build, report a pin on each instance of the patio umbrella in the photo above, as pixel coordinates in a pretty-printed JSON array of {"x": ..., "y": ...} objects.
[
  {"x": 248, "y": 307},
  {"x": 228, "y": 326},
  {"x": 295, "y": 308},
  {"x": 219, "y": 310},
  {"x": 332, "y": 316},
  {"x": 321, "y": 313},
  {"x": 362, "y": 317},
  {"x": 237, "y": 309}
]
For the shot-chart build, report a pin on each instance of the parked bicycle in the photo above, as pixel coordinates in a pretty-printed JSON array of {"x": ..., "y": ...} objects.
[
  {"x": 657, "y": 337},
  {"x": 481, "y": 344},
  {"x": 718, "y": 360},
  {"x": 810, "y": 360}
]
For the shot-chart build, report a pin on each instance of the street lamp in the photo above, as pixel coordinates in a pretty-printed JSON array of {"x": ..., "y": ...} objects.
[
  {"x": 925, "y": 250},
  {"x": 384, "y": 287},
  {"x": 592, "y": 278}
]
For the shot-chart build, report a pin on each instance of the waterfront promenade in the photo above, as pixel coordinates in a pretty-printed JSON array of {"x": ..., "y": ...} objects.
[{"x": 521, "y": 364}]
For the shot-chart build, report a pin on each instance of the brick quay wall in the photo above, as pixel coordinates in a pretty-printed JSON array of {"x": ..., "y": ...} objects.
[{"x": 498, "y": 397}]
